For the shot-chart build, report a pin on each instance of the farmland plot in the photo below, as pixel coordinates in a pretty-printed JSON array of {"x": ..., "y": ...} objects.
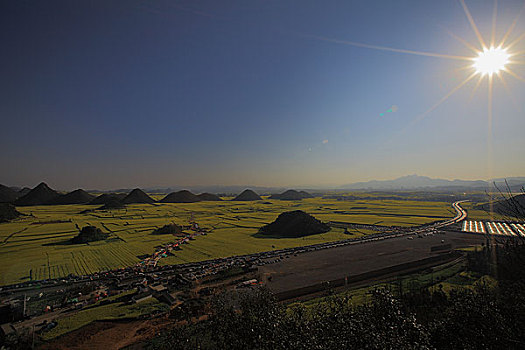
[{"x": 38, "y": 244}]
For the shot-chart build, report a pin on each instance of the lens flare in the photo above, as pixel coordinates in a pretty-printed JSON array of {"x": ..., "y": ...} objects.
[{"x": 491, "y": 60}]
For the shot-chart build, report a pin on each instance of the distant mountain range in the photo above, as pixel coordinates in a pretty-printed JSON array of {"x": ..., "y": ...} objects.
[
  {"x": 404, "y": 183},
  {"x": 416, "y": 182},
  {"x": 222, "y": 189}
]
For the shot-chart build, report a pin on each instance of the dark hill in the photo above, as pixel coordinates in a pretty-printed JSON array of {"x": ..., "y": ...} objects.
[
  {"x": 8, "y": 195},
  {"x": 173, "y": 229},
  {"x": 89, "y": 234},
  {"x": 291, "y": 195},
  {"x": 247, "y": 195},
  {"x": 8, "y": 212},
  {"x": 137, "y": 196},
  {"x": 306, "y": 194},
  {"x": 209, "y": 197},
  {"x": 24, "y": 191},
  {"x": 112, "y": 203},
  {"x": 294, "y": 224},
  {"x": 76, "y": 197},
  {"x": 39, "y": 195},
  {"x": 108, "y": 197},
  {"x": 183, "y": 196},
  {"x": 514, "y": 206},
  {"x": 109, "y": 201}
]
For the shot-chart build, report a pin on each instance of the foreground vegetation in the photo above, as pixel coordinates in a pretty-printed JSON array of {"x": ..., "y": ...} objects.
[
  {"x": 482, "y": 317},
  {"x": 38, "y": 245},
  {"x": 446, "y": 277}
]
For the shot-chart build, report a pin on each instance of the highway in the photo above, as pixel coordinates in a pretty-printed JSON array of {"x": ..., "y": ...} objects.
[{"x": 461, "y": 213}]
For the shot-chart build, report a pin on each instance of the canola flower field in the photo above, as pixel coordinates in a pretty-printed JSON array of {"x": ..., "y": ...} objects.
[{"x": 37, "y": 245}]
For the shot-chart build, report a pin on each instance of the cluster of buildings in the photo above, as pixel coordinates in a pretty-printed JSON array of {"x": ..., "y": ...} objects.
[{"x": 163, "y": 252}]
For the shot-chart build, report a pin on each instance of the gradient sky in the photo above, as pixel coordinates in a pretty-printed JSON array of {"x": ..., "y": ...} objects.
[{"x": 112, "y": 94}]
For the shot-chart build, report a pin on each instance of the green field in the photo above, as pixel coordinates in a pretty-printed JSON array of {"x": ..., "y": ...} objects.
[
  {"x": 37, "y": 245},
  {"x": 113, "y": 311}
]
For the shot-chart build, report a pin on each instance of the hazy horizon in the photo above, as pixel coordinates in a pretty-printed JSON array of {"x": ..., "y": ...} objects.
[
  {"x": 175, "y": 186},
  {"x": 105, "y": 95}
]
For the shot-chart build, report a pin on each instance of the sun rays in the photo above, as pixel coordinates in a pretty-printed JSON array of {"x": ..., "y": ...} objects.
[{"x": 488, "y": 58}]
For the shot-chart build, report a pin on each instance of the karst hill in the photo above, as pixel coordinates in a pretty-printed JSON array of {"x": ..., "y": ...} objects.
[
  {"x": 8, "y": 195},
  {"x": 247, "y": 195},
  {"x": 39, "y": 195},
  {"x": 75, "y": 197},
  {"x": 295, "y": 223},
  {"x": 209, "y": 197},
  {"x": 291, "y": 195},
  {"x": 183, "y": 196},
  {"x": 137, "y": 196}
]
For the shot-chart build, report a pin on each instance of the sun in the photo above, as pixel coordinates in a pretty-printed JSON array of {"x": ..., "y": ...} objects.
[
  {"x": 491, "y": 60},
  {"x": 488, "y": 60}
]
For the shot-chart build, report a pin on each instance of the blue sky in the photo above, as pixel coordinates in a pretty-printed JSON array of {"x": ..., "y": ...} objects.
[{"x": 106, "y": 94}]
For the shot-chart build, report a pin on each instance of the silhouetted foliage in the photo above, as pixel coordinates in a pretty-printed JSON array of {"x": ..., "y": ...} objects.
[
  {"x": 16, "y": 341},
  {"x": 506, "y": 202},
  {"x": 254, "y": 320},
  {"x": 484, "y": 317}
]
